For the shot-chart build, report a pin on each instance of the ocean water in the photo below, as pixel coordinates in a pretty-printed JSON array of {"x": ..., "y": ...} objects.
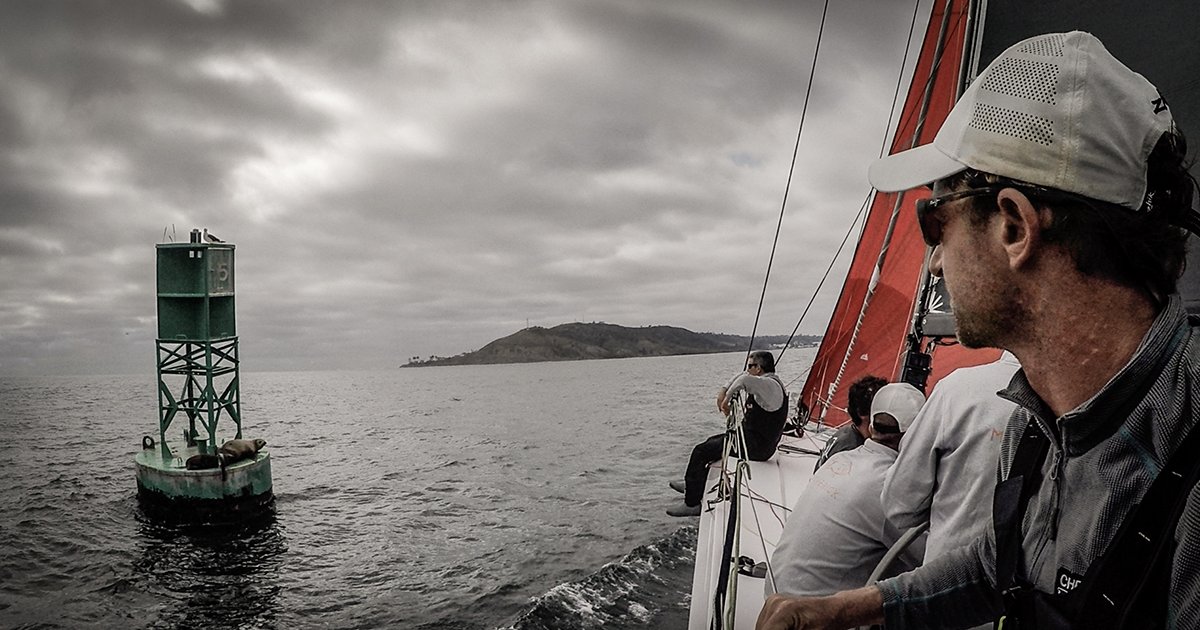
[{"x": 509, "y": 496}]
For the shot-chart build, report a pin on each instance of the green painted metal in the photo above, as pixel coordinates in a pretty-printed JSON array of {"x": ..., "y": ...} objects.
[
  {"x": 197, "y": 342},
  {"x": 195, "y": 291}
]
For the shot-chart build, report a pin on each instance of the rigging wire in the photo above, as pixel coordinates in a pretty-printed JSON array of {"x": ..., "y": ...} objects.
[
  {"x": 791, "y": 172},
  {"x": 908, "y": 116},
  {"x": 912, "y": 25},
  {"x": 763, "y": 541},
  {"x": 845, "y": 239},
  {"x": 724, "y": 588},
  {"x": 724, "y": 597},
  {"x": 922, "y": 108}
]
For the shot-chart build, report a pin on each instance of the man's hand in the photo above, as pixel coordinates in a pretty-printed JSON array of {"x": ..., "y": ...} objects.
[
  {"x": 847, "y": 609},
  {"x": 791, "y": 613},
  {"x": 722, "y": 401}
]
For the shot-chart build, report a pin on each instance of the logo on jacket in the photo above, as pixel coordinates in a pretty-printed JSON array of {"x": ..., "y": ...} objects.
[{"x": 1066, "y": 582}]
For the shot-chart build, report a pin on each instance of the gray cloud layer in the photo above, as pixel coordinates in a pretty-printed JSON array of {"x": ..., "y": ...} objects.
[{"x": 415, "y": 178}]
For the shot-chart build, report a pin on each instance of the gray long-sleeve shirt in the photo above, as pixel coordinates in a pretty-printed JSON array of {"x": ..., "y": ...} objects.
[
  {"x": 768, "y": 390},
  {"x": 1103, "y": 457}
]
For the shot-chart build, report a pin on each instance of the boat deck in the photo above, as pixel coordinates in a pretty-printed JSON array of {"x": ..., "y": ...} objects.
[{"x": 766, "y": 499}]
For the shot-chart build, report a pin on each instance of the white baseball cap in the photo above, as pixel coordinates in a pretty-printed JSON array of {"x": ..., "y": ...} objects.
[
  {"x": 1056, "y": 110},
  {"x": 900, "y": 400}
]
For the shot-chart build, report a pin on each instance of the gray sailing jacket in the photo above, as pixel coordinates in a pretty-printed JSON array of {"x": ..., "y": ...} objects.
[{"x": 1104, "y": 455}]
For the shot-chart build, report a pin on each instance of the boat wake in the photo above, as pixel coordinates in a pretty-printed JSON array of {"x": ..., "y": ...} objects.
[{"x": 648, "y": 588}]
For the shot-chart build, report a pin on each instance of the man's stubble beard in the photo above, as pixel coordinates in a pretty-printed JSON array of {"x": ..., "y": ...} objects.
[{"x": 992, "y": 323}]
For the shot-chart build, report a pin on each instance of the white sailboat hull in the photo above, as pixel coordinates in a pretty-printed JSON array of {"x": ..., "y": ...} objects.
[{"x": 767, "y": 495}]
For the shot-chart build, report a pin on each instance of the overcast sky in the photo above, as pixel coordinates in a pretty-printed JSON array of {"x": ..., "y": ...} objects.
[{"x": 415, "y": 178}]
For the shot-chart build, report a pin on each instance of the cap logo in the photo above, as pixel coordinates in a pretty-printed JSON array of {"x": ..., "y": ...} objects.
[{"x": 1160, "y": 104}]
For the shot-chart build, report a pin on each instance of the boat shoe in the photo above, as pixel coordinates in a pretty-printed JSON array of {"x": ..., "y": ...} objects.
[{"x": 684, "y": 510}]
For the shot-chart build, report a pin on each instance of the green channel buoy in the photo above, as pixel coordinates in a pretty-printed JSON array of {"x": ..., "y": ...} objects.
[{"x": 200, "y": 479}]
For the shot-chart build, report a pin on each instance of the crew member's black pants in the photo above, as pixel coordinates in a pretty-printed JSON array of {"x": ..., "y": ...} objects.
[
  {"x": 704, "y": 454},
  {"x": 710, "y": 451}
]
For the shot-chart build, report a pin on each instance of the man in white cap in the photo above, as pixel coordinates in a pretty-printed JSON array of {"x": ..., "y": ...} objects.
[
  {"x": 1060, "y": 198},
  {"x": 837, "y": 532}
]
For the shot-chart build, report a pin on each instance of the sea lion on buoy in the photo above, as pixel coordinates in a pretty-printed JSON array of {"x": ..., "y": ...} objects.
[
  {"x": 230, "y": 452},
  {"x": 202, "y": 462},
  {"x": 237, "y": 450}
]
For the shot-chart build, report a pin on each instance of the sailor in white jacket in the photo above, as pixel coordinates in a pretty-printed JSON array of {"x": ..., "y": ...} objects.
[
  {"x": 837, "y": 532},
  {"x": 946, "y": 472}
]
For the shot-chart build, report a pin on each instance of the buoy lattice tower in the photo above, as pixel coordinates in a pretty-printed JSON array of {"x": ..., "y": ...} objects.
[
  {"x": 198, "y": 380},
  {"x": 197, "y": 341}
]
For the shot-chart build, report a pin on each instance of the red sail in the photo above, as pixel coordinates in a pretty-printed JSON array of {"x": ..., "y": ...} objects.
[{"x": 879, "y": 344}]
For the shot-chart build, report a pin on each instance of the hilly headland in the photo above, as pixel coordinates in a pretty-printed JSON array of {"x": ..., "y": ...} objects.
[{"x": 579, "y": 341}]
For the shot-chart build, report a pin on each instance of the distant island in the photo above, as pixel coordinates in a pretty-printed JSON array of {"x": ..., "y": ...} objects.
[{"x": 574, "y": 342}]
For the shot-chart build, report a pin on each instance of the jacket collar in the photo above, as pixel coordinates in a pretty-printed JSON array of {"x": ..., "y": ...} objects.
[{"x": 1098, "y": 417}]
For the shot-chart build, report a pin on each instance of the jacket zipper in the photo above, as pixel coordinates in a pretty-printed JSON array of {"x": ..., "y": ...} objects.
[{"x": 1050, "y": 531}]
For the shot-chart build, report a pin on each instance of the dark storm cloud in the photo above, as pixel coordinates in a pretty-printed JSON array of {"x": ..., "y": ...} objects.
[{"x": 419, "y": 178}]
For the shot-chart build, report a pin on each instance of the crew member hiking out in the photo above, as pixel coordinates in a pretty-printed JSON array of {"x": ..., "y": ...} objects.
[{"x": 766, "y": 413}]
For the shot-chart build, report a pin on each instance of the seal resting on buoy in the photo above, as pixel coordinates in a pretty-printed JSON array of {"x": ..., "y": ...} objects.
[
  {"x": 237, "y": 450},
  {"x": 230, "y": 452}
]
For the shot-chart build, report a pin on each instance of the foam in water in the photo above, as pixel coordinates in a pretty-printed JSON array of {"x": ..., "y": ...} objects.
[{"x": 639, "y": 590}]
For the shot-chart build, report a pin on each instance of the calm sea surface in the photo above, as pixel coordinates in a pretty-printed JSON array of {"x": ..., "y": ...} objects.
[{"x": 525, "y": 496}]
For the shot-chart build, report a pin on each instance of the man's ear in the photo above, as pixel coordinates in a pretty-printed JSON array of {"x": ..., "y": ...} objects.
[{"x": 1020, "y": 227}]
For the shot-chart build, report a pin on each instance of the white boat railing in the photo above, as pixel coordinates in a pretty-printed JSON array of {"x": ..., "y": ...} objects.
[{"x": 889, "y": 558}]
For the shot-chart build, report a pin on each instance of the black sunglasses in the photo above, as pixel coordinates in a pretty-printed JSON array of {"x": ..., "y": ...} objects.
[
  {"x": 752, "y": 365},
  {"x": 932, "y": 223}
]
